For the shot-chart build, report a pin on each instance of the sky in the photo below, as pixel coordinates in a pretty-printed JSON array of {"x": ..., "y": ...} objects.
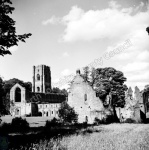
[{"x": 71, "y": 34}]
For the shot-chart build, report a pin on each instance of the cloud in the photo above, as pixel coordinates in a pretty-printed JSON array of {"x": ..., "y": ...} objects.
[
  {"x": 143, "y": 56},
  {"x": 114, "y": 5},
  {"x": 112, "y": 23},
  {"x": 13, "y": 49},
  {"x": 136, "y": 66},
  {"x": 53, "y": 20},
  {"x": 65, "y": 54},
  {"x": 66, "y": 72},
  {"x": 116, "y": 24}
]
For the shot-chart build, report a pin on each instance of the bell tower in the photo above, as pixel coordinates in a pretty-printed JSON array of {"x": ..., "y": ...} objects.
[{"x": 41, "y": 79}]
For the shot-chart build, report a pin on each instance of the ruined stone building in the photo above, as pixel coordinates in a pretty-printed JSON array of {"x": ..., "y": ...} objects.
[
  {"x": 136, "y": 106},
  {"x": 85, "y": 101},
  {"x": 82, "y": 97},
  {"x": 40, "y": 101},
  {"x": 89, "y": 106}
]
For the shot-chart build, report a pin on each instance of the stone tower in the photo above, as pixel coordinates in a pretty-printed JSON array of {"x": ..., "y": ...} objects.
[{"x": 41, "y": 79}]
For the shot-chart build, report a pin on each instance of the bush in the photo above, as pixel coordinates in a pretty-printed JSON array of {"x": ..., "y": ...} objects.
[
  {"x": 52, "y": 123},
  {"x": 129, "y": 120},
  {"x": 67, "y": 114},
  {"x": 39, "y": 114},
  {"x": 5, "y": 128},
  {"x": 109, "y": 119},
  {"x": 19, "y": 125},
  {"x": 28, "y": 115},
  {"x": 97, "y": 121}
]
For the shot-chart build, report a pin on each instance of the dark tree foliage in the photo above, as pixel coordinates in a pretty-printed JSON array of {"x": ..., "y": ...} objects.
[
  {"x": 57, "y": 90},
  {"x": 86, "y": 73},
  {"x": 52, "y": 123},
  {"x": 2, "y": 108},
  {"x": 19, "y": 125},
  {"x": 93, "y": 76},
  {"x": 67, "y": 114},
  {"x": 8, "y": 36},
  {"x": 8, "y": 84},
  {"x": 147, "y": 29},
  {"x": 109, "y": 80}
]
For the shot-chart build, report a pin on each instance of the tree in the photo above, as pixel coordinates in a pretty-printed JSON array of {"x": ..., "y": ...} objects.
[
  {"x": 8, "y": 84},
  {"x": 8, "y": 36},
  {"x": 110, "y": 80},
  {"x": 64, "y": 91},
  {"x": 19, "y": 124},
  {"x": 67, "y": 114},
  {"x": 147, "y": 29},
  {"x": 93, "y": 76},
  {"x": 86, "y": 73},
  {"x": 57, "y": 90},
  {"x": 1, "y": 97},
  {"x": 6, "y": 104}
]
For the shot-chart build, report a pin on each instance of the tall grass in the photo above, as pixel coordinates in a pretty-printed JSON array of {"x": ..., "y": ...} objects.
[{"x": 104, "y": 137}]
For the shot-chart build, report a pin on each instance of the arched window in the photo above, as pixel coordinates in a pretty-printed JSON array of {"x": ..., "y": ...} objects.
[
  {"x": 85, "y": 97},
  {"x": 38, "y": 77},
  {"x": 18, "y": 95},
  {"x": 86, "y": 119},
  {"x": 38, "y": 89}
]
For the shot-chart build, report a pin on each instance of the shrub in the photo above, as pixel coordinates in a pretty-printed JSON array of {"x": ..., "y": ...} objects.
[
  {"x": 97, "y": 121},
  {"x": 129, "y": 120},
  {"x": 19, "y": 125},
  {"x": 39, "y": 114},
  {"x": 5, "y": 128},
  {"x": 28, "y": 115},
  {"x": 109, "y": 119},
  {"x": 52, "y": 123},
  {"x": 67, "y": 114}
]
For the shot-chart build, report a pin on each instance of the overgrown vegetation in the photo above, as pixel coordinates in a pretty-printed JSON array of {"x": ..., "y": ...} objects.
[
  {"x": 109, "y": 119},
  {"x": 113, "y": 136},
  {"x": 129, "y": 120},
  {"x": 67, "y": 114},
  {"x": 18, "y": 125}
]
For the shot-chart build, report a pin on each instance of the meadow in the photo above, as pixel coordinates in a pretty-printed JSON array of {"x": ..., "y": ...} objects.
[{"x": 103, "y": 137}]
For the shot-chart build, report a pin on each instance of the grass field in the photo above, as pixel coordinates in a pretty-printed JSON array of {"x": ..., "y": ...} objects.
[
  {"x": 110, "y": 137},
  {"x": 103, "y": 137}
]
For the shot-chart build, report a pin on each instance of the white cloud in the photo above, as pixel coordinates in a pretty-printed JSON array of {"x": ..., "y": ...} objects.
[
  {"x": 65, "y": 54},
  {"x": 116, "y": 24},
  {"x": 66, "y": 72},
  {"x": 112, "y": 23},
  {"x": 52, "y": 20},
  {"x": 143, "y": 56},
  {"x": 136, "y": 66},
  {"x": 113, "y": 4},
  {"x": 139, "y": 77},
  {"x": 13, "y": 49}
]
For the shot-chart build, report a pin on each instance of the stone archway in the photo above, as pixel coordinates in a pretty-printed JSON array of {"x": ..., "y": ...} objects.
[{"x": 18, "y": 95}]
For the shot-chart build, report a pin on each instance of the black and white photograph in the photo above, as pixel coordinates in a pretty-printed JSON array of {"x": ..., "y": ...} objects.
[{"x": 74, "y": 74}]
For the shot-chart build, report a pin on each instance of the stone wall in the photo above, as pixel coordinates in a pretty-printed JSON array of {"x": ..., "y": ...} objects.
[
  {"x": 86, "y": 103},
  {"x": 134, "y": 106}
]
